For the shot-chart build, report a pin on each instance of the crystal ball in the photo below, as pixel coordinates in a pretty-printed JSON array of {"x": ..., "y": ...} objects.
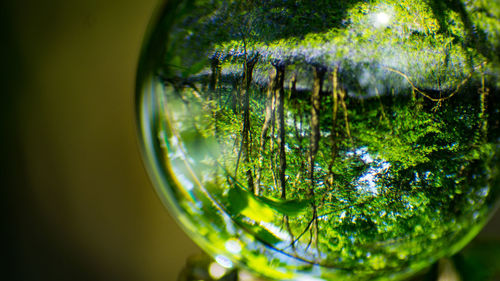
[{"x": 324, "y": 140}]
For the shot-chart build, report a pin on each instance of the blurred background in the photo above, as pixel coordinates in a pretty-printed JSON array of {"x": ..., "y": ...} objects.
[{"x": 76, "y": 201}]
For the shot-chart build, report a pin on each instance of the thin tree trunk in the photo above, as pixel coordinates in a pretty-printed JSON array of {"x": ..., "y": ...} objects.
[
  {"x": 280, "y": 107},
  {"x": 215, "y": 74},
  {"x": 333, "y": 133},
  {"x": 272, "y": 148},
  {"x": 286, "y": 219},
  {"x": 342, "y": 95},
  {"x": 293, "y": 86},
  {"x": 335, "y": 98},
  {"x": 249, "y": 66},
  {"x": 270, "y": 97},
  {"x": 315, "y": 115},
  {"x": 319, "y": 73}
]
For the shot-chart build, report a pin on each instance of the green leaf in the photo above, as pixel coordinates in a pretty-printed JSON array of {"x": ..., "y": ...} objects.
[
  {"x": 244, "y": 203},
  {"x": 238, "y": 200},
  {"x": 258, "y": 211},
  {"x": 260, "y": 208},
  {"x": 287, "y": 207}
]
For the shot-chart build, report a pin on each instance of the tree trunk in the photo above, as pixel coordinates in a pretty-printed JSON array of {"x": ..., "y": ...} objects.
[
  {"x": 333, "y": 133},
  {"x": 280, "y": 107},
  {"x": 335, "y": 98},
  {"x": 270, "y": 100},
  {"x": 249, "y": 66},
  {"x": 319, "y": 73},
  {"x": 215, "y": 74},
  {"x": 293, "y": 86},
  {"x": 343, "y": 95}
]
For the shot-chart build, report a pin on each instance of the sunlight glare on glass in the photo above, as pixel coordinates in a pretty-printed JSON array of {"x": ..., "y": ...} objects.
[
  {"x": 233, "y": 246},
  {"x": 382, "y": 19},
  {"x": 224, "y": 261},
  {"x": 216, "y": 271}
]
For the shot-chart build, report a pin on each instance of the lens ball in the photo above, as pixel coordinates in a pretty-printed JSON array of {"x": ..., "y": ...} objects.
[{"x": 324, "y": 140}]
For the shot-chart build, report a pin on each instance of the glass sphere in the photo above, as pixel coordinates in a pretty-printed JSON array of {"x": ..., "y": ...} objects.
[{"x": 324, "y": 140}]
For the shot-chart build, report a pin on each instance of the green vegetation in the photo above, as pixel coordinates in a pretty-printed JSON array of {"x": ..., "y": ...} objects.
[{"x": 358, "y": 137}]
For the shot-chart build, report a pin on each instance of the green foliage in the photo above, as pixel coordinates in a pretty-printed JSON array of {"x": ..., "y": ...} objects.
[
  {"x": 407, "y": 140},
  {"x": 431, "y": 42},
  {"x": 260, "y": 208}
]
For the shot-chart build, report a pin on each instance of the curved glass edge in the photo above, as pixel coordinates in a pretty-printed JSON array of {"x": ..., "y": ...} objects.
[{"x": 147, "y": 109}]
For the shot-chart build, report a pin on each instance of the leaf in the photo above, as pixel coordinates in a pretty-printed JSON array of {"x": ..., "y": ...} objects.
[
  {"x": 237, "y": 200},
  {"x": 287, "y": 207},
  {"x": 258, "y": 211},
  {"x": 242, "y": 202},
  {"x": 262, "y": 209}
]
